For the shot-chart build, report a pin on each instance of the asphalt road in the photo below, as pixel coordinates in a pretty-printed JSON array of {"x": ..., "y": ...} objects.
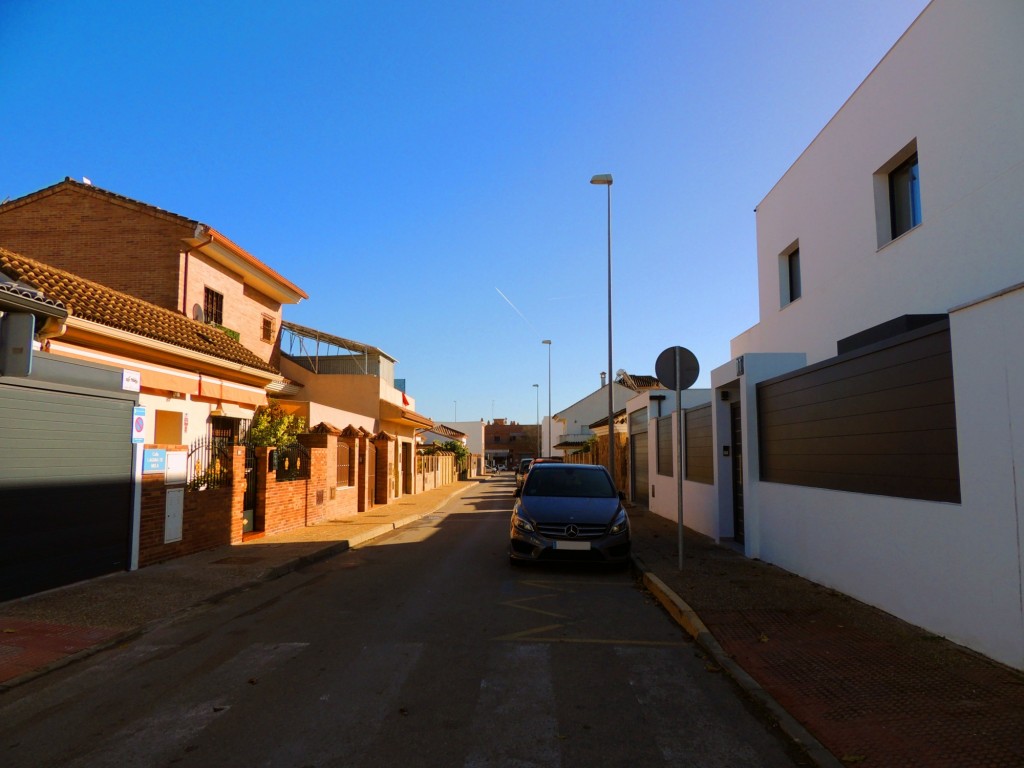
[{"x": 423, "y": 649}]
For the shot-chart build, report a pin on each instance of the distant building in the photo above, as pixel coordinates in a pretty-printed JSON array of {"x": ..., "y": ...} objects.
[{"x": 506, "y": 442}]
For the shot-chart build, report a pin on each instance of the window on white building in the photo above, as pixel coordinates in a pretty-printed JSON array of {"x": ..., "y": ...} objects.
[
  {"x": 905, "y": 197},
  {"x": 898, "y": 195},
  {"x": 790, "y": 283}
]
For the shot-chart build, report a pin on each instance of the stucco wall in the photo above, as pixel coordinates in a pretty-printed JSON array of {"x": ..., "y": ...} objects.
[{"x": 955, "y": 82}]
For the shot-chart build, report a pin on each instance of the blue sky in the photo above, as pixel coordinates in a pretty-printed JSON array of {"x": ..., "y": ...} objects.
[{"x": 421, "y": 169}]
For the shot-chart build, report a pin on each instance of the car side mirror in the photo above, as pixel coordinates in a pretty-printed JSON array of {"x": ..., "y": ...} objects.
[
  {"x": 518, "y": 493},
  {"x": 622, "y": 495}
]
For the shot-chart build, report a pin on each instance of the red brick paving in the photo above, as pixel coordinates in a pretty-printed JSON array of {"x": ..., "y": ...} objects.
[
  {"x": 872, "y": 689},
  {"x": 27, "y": 646}
]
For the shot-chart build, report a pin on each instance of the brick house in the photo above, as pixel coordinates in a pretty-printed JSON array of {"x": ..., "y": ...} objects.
[
  {"x": 163, "y": 258},
  {"x": 506, "y": 442}
]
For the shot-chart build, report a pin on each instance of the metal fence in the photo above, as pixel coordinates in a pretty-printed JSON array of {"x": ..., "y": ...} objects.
[
  {"x": 291, "y": 463},
  {"x": 209, "y": 463}
]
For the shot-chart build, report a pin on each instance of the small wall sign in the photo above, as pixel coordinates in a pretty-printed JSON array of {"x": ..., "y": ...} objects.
[
  {"x": 138, "y": 424},
  {"x": 131, "y": 381},
  {"x": 154, "y": 460}
]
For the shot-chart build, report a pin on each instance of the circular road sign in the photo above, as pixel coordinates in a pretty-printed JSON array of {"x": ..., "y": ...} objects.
[{"x": 665, "y": 368}]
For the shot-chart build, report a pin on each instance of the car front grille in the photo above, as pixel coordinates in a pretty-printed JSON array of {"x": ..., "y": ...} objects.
[{"x": 580, "y": 531}]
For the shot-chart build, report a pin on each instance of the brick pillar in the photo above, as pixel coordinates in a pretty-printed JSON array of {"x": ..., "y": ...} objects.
[
  {"x": 237, "y": 492},
  {"x": 386, "y": 469}
]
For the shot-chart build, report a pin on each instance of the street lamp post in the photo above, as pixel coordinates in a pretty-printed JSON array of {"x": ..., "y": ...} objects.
[
  {"x": 537, "y": 387},
  {"x": 548, "y": 342},
  {"x": 606, "y": 180}
]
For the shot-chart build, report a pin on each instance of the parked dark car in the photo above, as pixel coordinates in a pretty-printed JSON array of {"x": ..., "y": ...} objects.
[{"x": 569, "y": 512}]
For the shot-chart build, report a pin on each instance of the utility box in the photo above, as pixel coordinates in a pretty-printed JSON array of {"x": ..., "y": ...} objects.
[
  {"x": 174, "y": 514},
  {"x": 16, "y": 332}
]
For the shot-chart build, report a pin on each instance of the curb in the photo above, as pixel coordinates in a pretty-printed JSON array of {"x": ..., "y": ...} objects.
[{"x": 688, "y": 619}]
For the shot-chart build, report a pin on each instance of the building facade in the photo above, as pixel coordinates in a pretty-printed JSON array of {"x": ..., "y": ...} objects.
[{"x": 867, "y": 429}]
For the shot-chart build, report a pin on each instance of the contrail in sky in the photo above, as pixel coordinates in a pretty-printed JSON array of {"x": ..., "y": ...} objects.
[{"x": 515, "y": 308}]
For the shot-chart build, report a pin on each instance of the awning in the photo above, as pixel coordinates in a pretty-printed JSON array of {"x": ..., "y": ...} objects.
[
  {"x": 391, "y": 412},
  {"x": 219, "y": 389},
  {"x": 152, "y": 376},
  {"x": 163, "y": 377}
]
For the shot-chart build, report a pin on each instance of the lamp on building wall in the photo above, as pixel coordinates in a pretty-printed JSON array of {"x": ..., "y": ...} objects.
[
  {"x": 605, "y": 179},
  {"x": 219, "y": 411}
]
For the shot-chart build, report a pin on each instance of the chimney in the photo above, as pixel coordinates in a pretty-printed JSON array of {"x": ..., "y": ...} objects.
[{"x": 602, "y": 378}]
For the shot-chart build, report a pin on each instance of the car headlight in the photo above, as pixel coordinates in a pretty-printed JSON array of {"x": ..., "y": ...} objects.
[
  {"x": 520, "y": 522},
  {"x": 620, "y": 523}
]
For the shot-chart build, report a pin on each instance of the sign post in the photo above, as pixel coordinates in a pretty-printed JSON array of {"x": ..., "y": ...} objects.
[{"x": 677, "y": 369}]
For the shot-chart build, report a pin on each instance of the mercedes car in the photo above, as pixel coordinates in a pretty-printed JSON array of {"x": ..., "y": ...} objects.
[{"x": 569, "y": 512}]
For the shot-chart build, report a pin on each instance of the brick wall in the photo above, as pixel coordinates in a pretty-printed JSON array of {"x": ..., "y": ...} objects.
[
  {"x": 210, "y": 518},
  {"x": 213, "y": 517},
  {"x": 244, "y": 307},
  {"x": 137, "y": 251},
  {"x": 100, "y": 239}
]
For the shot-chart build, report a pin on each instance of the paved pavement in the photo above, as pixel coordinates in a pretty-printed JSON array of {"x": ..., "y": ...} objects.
[{"x": 853, "y": 685}]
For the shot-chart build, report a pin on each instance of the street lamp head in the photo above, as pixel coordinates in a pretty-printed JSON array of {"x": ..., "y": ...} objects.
[
  {"x": 602, "y": 178},
  {"x": 536, "y": 385},
  {"x": 546, "y": 341}
]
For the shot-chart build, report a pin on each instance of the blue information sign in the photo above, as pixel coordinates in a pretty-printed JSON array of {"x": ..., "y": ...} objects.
[{"x": 154, "y": 460}]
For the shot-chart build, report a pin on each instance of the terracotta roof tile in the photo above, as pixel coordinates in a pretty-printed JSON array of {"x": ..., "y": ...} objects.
[{"x": 94, "y": 302}]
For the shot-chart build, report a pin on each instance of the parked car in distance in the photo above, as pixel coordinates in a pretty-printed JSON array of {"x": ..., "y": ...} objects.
[
  {"x": 569, "y": 512},
  {"x": 521, "y": 469},
  {"x": 526, "y": 470}
]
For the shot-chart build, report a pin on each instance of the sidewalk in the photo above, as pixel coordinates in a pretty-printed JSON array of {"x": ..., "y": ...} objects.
[{"x": 854, "y": 685}]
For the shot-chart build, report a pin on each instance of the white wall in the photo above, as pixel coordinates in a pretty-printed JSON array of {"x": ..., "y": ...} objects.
[
  {"x": 577, "y": 418},
  {"x": 955, "y": 82},
  {"x": 474, "y": 431}
]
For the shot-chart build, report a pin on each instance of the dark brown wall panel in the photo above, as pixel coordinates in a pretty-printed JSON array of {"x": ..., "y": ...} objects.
[
  {"x": 699, "y": 445},
  {"x": 880, "y": 420}
]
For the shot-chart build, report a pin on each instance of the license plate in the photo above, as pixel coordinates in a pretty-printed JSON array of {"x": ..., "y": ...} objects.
[{"x": 578, "y": 545}]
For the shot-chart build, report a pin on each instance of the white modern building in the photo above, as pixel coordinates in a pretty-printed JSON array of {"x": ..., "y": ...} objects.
[{"x": 869, "y": 430}]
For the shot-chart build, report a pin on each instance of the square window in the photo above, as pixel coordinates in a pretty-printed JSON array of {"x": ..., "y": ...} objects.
[{"x": 213, "y": 306}]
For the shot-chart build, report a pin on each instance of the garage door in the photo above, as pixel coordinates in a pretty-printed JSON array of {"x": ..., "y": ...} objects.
[{"x": 65, "y": 488}]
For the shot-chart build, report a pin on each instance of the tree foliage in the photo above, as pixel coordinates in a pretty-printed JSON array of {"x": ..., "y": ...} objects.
[
  {"x": 450, "y": 446},
  {"x": 272, "y": 426}
]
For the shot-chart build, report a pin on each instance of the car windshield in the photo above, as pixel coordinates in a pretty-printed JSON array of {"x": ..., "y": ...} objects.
[{"x": 568, "y": 482}]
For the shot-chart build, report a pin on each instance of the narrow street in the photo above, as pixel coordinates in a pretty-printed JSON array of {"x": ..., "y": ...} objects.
[{"x": 422, "y": 649}]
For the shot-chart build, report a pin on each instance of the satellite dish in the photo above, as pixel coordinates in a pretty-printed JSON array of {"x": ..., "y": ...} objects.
[{"x": 198, "y": 314}]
